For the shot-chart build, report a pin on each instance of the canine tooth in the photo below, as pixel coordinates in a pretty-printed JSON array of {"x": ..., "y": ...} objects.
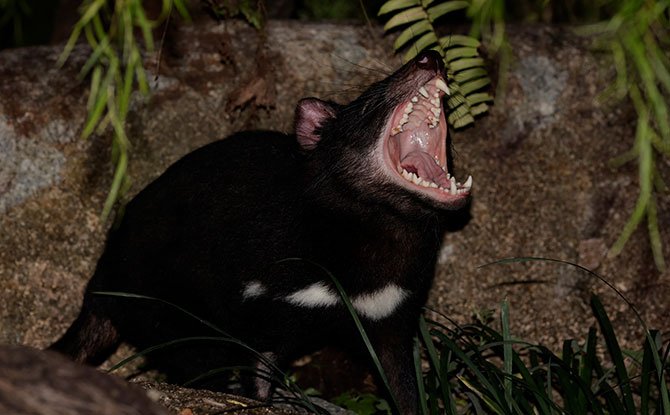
[
  {"x": 452, "y": 187},
  {"x": 423, "y": 92},
  {"x": 468, "y": 183},
  {"x": 441, "y": 85}
]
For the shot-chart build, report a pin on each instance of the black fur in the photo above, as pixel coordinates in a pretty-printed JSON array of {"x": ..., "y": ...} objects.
[{"x": 232, "y": 211}]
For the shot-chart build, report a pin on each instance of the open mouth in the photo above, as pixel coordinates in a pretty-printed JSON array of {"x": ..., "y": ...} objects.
[{"x": 415, "y": 147}]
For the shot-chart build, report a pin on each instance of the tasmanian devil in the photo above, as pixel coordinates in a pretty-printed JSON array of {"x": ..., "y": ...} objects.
[{"x": 242, "y": 231}]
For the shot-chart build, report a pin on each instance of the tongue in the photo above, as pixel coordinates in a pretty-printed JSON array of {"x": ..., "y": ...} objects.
[{"x": 424, "y": 166}]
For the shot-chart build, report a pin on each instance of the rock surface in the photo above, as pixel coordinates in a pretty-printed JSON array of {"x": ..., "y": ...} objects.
[
  {"x": 543, "y": 186},
  {"x": 36, "y": 382}
]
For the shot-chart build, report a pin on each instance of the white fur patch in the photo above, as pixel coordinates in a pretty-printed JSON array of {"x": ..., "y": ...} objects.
[
  {"x": 381, "y": 303},
  {"x": 253, "y": 289},
  {"x": 374, "y": 306},
  {"x": 315, "y": 295}
]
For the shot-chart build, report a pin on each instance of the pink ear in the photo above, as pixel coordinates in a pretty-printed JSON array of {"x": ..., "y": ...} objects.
[{"x": 309, "y": 116}]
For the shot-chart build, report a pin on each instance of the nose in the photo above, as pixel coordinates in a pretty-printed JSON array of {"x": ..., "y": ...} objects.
[{"x": 430, "y": 60}]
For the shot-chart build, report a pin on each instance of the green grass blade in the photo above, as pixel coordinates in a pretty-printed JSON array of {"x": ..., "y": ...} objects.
[
  {"x": 507, "y": 353},
  {"x": 183, "y": 11},
  {"x": 654, "y": 234},
  {"x": 428, "y": 343},
  {"x": 416, "y": 353},
  {"x": 94, "y": 59},
  {"x": 98, "y": 107},
  {"x": 586, "y": 367},
  {"x": 175, "y": 306},
  {"x": 96, "y": 78},
  {"x": 145, "y": 26},
  {"x": 497, "y": 398},
  {"x": 645, "y": 375},
  {"x": 483, "y": 396},
  {"x": 225, "y": 338},
  {"x": 615, "y": 353}
]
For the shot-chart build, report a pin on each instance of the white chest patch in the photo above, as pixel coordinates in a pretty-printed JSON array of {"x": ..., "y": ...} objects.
[
  {"x": 381, "y": 303},
  {"x": 374, "y": 306},
  {"x": 315, "y": 295},
  {"x": 253, "y": 289}
]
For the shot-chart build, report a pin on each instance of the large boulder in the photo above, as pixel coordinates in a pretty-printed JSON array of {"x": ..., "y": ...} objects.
[
  {"x": 543, "y": 186},
  {"x": 36, "y": 382}
]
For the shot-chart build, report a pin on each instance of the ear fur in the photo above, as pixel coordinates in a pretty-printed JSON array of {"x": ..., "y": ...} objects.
[{"x": 310, "y": 115}]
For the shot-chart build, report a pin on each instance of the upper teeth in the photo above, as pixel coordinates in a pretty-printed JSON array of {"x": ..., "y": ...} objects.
[
  {"x": 423, "y": 107},
  {"x": 454, "y": 188},
  {"x": 441, "y": 85}
]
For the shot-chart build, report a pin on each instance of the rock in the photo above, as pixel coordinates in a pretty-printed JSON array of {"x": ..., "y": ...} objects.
[
  {"x": 38, "y": 382},
  {"x": 543, "y": 186}
]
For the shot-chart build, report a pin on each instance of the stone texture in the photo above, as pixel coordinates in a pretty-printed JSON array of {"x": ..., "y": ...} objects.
[
  {"x": 543, "y": 186},
  {"x": 36, "y": 382}
]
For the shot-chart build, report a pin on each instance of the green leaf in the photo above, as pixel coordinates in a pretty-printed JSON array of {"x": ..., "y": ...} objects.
[
  {"x": 478, "y": 109},
  {"x": 183, "y": 11},
  {"x": 411, "y": 32},
  {"x": 473, "y": 99},
  {"x": 462, "y": 121},
  {"x": 423, "y": 43},
  {"x": 459, "y": 40},
  {"x": 96, "y": 77},
  {"x": 461, "y": 52},
  {"x": 407, "y": 16},
  {"x": 99, "y": 106},
  {"x": 475, "y": 85},
  {"x": 461, "y": 64},
  {"x": 444, "y": 8},
  {"x": 470, "y": 74},
  {"x": 145, "y": 25},
  {"x": 392, "y": 5}
]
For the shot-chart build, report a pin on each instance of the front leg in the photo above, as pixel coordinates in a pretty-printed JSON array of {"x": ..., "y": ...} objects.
[{"x": 394, "y": 349}]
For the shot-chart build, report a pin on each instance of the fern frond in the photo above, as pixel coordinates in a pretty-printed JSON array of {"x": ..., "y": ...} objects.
[{"x": 465, "y": 72}]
